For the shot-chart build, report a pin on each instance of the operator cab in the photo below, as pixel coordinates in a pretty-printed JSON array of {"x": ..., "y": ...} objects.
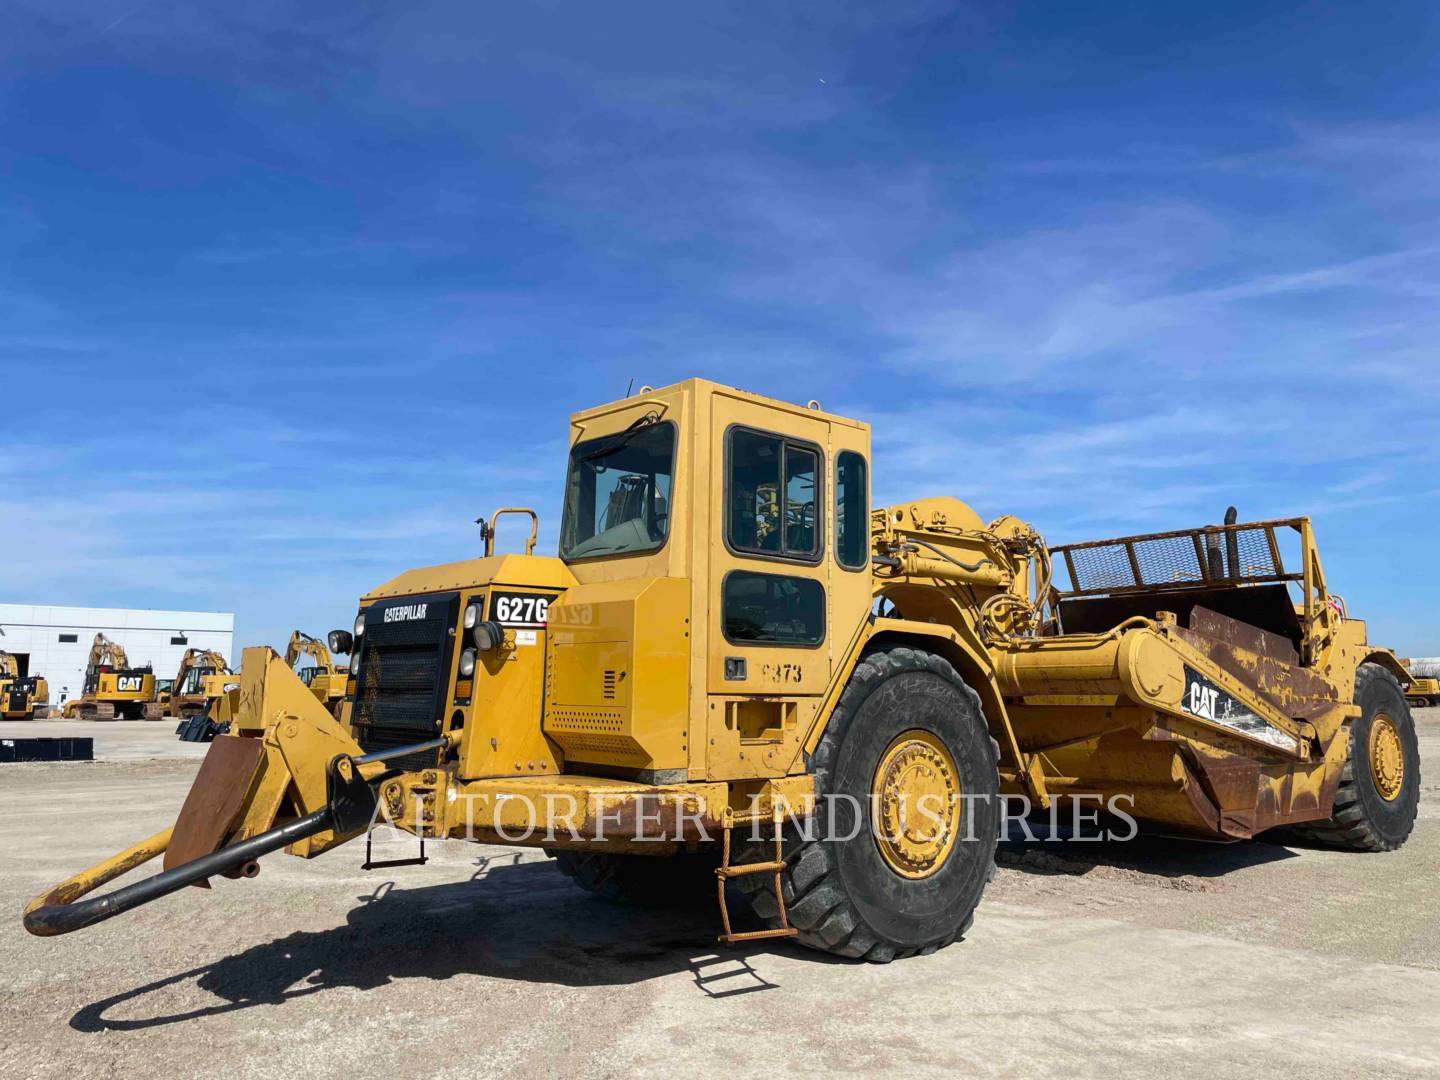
[
  {"x": 194, "y": 681},
  {"x": 735, "y": 527}
]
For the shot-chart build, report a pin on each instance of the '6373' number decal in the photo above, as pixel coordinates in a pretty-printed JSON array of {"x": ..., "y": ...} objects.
[{"x": 519, "y": 609}]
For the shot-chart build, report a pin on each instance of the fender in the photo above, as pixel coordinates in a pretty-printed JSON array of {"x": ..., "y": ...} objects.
[
  {"x": 1386, "y": 659},
  {"x": 969, "y": 659}
]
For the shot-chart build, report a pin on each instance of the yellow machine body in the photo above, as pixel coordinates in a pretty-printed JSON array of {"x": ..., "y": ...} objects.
[
  {"x": 325, "y": 678},
  {"x": 112, "y": 687},
  {"x": 719, "y": 579},
  {"x": 617, "y": 675},
  {"x": 1421, "y": 691},
  {"x": 22, "y": 696},
  {"x": 201, "y": 678},
  {"x": 125, "y": 687}
]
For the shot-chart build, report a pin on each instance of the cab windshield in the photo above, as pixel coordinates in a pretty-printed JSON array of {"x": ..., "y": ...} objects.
[
  {"x": 192, "y": 679},
  {"x": 617, "y": 493}
]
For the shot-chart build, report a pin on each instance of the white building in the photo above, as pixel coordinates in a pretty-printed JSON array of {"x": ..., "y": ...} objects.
[{"x": 55, "y": 641}]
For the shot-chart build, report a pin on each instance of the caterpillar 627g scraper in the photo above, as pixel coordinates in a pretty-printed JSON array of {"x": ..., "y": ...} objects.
[{"x": 735, "y": 668}]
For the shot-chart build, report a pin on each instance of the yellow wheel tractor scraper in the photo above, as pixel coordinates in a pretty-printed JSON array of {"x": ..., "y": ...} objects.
[{"x": 737, "y": 671}]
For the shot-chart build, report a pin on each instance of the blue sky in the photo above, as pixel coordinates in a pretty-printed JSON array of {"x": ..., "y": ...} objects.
[{"x": 291, "y": 293}]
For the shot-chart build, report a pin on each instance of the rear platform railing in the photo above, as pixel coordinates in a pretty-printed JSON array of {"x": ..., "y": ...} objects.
[{"x": 1248, "y": 553}]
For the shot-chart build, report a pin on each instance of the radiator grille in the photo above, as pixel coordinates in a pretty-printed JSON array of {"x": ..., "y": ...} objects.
[{"x": 403, "y": 674}]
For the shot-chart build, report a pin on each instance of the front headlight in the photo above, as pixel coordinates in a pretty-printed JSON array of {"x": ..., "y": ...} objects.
[
  {"x": 359, "y": 624},
  {"x": 340, "y": 641},
  {"x": 487, "y": 635},
  {"x": 472, "y": 616},
  {"x": 467, "y": 663}
]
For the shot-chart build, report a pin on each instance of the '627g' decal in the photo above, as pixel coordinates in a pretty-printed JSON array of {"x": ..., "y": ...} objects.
[{"x": 519, "y": 609}]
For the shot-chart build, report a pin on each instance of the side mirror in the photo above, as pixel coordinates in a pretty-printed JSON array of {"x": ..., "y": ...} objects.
[{"x": 341, "y": 641}]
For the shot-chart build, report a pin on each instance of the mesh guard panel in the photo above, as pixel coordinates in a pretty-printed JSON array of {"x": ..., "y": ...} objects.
[{"x": 1216, "y": 555}]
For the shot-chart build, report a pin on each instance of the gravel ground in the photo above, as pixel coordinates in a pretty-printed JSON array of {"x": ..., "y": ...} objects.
[{"x": 1148, "y": 959}]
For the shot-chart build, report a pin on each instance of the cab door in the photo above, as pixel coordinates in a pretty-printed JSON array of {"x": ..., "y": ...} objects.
[
  {"x": 769, "y": 658},
  {"x": 769, "y": 574}
]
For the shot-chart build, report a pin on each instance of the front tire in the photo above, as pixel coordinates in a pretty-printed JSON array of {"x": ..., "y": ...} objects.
[
  {"x": 884, "y": 878},
  {"x": 1379, "y": 792}
]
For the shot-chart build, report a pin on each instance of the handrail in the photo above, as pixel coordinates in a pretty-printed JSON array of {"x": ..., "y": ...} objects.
[{"x": 534, "y": 528}]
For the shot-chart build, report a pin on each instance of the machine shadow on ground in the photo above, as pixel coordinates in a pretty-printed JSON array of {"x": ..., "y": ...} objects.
[
  {"x": 509, "y": 920},
  {"x": 1145, "y": 855},
  {"x": 526, "y": 921}
]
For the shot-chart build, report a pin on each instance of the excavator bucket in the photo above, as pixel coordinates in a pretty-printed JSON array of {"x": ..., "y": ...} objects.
[{"x": 288, "y": 776}]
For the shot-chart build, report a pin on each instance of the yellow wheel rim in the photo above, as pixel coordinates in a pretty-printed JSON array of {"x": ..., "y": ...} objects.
[
  {"x": 1387, "y": 757},
  {"x": 917, "y": 804}
]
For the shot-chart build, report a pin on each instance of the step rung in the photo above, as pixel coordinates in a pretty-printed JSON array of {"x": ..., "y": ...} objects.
[
  {"x": 757, "y": 935},
  {"x": 749, "y": 868}
]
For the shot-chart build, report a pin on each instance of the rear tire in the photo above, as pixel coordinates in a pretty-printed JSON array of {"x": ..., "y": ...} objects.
[
  {"x": 1363, "y": 818},
  {"x": 641, "y": 880},
  {"x": 859, "y": 896}
]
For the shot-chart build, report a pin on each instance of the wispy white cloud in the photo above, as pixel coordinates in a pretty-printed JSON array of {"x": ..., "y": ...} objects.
[{"x": 485, "y": 236}]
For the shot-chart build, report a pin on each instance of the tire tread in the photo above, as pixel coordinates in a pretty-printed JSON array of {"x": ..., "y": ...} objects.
[
  {"x": 1349, "y": 826},
  {"x": 815, "y": 902}
]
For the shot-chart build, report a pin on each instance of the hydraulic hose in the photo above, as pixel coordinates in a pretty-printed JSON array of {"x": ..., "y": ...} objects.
[{"x": 967, "y": 567}]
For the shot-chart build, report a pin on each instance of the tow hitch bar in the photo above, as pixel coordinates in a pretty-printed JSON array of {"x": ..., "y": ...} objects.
[{"x": 350, "y": 807}]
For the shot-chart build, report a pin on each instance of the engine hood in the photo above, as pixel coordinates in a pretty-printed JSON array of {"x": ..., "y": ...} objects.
[{"x": 541, "y": 571}]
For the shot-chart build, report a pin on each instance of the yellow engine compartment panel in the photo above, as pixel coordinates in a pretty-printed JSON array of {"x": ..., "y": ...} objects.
[{"x": 617, "y": 676}]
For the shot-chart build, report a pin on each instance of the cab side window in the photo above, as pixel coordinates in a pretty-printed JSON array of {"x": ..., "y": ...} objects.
[
  {"x": 852, "y": 514},
  {"x": 773, "y": 496},
  {"x": 775, "y": 609}
]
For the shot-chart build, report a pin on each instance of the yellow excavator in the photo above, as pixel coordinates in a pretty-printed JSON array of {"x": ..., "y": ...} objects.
[
  {"x": 195, "y": 686},
  {"x": 113, "y": 688},
  {"x": 22, "y": 697},
  {"x": 324, "y": 677}
]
